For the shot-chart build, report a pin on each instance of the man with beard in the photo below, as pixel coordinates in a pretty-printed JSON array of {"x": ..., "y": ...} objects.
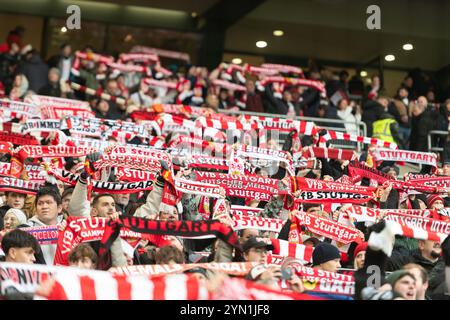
[{"x": 427, "y": 255}]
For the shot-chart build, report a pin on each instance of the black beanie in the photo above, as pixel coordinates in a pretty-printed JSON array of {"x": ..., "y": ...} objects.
[{"x": 324, "y": 252}]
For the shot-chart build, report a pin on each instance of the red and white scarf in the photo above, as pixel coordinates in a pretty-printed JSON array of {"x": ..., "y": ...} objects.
[
  {"x": 161, "y": 52},
  {"x": 253, "y": 187},
  {"x": 419, "y": 228},
  {"x": 103, "y": 285},
  {"x": 426, "y": 158},
  {"x": 313, "y": 190},
  {"x": 329, "y": 153},
  {"x": 93, "y": 92},
  {"x": 291, "y": 249},
  {"x": 133, "y": 175},
  {"x": 25, "y": 152},
  {"x": 231, "y": 268},
  {"x": 282, "y": 68},
  {"x": 329, "y": 228},
  {"x": 142, "y": 57},
  {"x": 266, "y": 224},
  {"x": 333, "y": 135},
  {"x": 245, "y": 211},
  {"x": 19, "y": 185}
]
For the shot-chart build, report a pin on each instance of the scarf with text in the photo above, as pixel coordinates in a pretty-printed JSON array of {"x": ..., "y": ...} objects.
[
  {"x": 232, "y": 268},
  {"x": 79, "y": 230},
  {"x": 425, "y": 158},
  {"x": 329, "y": 228},
  {"x": 295, "y": 82},
  {"x": 133, "y": 175},
  {"x": 188, "y": 229},
  {"x": 266, "y": 224},
  {"x": 103, "y": 127},
  {"x": 283, "y": 68},
  {"x": 358, "y": 170},
  {"x": 102, "y": 186},
  {"x": 253, "y": 187},
  {"x": 197, "y": 188},
  {"x": 245, "y": 211},
  {"x": 419, "y": 228},
  {"x": 314, "y": 190},
  {"x": 19, "y": 185},
  {"x": 362, "y": 214},
  {"x": 24, "y": 152},
  {"x": 286, "y": 125}
]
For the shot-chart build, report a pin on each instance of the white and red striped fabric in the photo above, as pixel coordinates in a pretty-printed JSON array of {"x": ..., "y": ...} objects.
[
  {"x": 328, "y": 153},
  {"x": 333, "y": 135},
  {"x": 225, "y": 125},
  {"x": 102, "y": 285},
  {"x": 292, "y": 249}
]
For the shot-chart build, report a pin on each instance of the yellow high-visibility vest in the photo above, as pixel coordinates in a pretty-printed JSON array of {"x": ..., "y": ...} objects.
[{"x": 382, "y": 130}]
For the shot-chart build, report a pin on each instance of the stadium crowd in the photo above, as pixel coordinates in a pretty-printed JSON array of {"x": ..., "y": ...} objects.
[{"x": 123, "y": 169}]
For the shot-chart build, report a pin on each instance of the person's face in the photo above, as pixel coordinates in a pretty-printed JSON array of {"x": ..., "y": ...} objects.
[
  {"x": 321, "y": 112},
  {"x": 406, "y": 287},
  {"x": 403, "y": 93},
  {"x": 250, "y": 85},
  {"x": 21, "y": 255},
  {"x": 430, "y": 95},
  {"x": 287, "y": 96},
  {"x": 359, "y": 259},
  {"x": 309, "y": 243},
  {"x": 392, "y": 174},
  {"x": 15, "y": 200},
  {"x": 422, "y": 102},
  {"x": 83, "y": 263},
  {"x": 223, "y": 95},
  {"x": 247, "y": 234},
  {"x": 256, "y": 255},
  {"x": 53, "y": 77},
  {"x": 104, "y": 207},
  {"x": 420, "y": 286},
  {"x": 446, "y": 170},
  {"x": 164, "y": 215},
  {"x": 103, "y": 106},
  {"x": 343, "y": 104},
  {"x": 331, "y": 266},
  {"x": 18, "y": 81},
  {"x": 10, "y": 221},
  {"x": 122, "y": 199},
  {"x": 66, "y": 201},
  {"x": 422, "y": 205},
  {"x": 430, "y": 248},
  {"x": 66, "y": 51},
  {"x": 314, "y": 210},
  {"x": 198, "y": 92},
  {"x": 14, "y": 48},
  {"x": 111, "y": 87},
  {"x": 438, "y": 204},
  {"x": 47, "y": 209}
]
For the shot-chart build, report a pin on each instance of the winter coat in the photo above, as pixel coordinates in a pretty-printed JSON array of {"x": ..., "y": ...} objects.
[
  {"x": 421, "y": 125},
  {"x": 36, "y": 72},
  {"x": 371, "y": 113},
  {"x": 398, "y": 260}
]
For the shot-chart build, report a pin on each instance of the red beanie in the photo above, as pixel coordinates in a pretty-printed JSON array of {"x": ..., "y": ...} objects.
[
  {"x": 432, "y": 199},
  {"x": 360, "y": 247}
]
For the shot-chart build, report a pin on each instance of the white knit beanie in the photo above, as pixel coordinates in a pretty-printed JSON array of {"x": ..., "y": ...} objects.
[{"x": 19, "y": 215}]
